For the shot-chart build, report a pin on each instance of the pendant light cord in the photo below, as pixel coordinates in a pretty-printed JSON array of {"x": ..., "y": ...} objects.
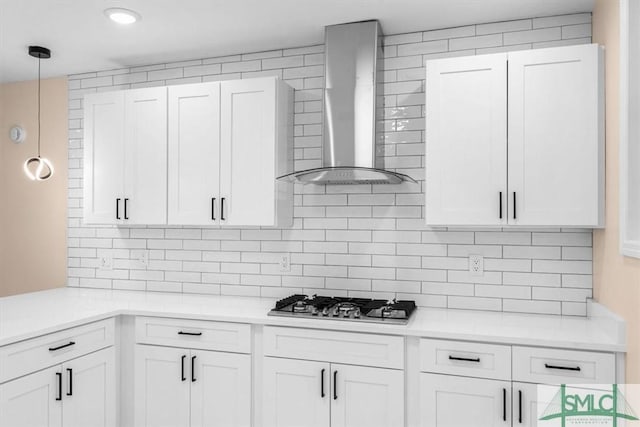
[{"x": 39, "y": 59}]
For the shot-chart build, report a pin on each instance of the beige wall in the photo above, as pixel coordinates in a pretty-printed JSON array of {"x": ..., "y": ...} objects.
[
  {"x": 33, "y": 215},
  {"x": 616, "y": 278}
]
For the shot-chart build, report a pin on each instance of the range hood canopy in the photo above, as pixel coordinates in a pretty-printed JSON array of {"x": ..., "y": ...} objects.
[{"x": 351, "y": 152}]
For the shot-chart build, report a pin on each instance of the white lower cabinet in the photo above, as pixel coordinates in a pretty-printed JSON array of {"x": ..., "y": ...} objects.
[
  {"x": 525, "y": 404},
  {"x": 366, "y": 397},
  {"x": 320, "y": 394},
  {"x": 32, "y": 400},
  {"x": 451, "y": 401},
  {"x": 181, "y": 387},
  {"x": 77, "y": 393},
  {"x": 296, "y": 393}
]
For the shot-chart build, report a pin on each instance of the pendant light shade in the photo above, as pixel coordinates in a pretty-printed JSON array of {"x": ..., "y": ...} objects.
[{"x": 38, "y": 168}]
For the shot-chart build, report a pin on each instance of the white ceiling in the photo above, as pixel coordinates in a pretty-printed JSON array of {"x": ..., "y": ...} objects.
[{"x": 82, "y": 39}]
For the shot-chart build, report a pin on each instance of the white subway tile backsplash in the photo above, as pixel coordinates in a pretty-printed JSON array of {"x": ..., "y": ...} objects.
[
  {"x": 532, "y": 36},
  {"x": 560, "y": 20},
  {"x": 503, "y": 27},
  {"x": 357, "y": 240},
  {"x": 489, "y": 40}
]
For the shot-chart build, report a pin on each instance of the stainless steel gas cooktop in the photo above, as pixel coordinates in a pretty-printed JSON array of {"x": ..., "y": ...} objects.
[{"x": 340, "y": 308}]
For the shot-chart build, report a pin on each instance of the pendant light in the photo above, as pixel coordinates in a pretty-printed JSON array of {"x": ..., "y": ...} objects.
[{"x": 38, "y": 168}]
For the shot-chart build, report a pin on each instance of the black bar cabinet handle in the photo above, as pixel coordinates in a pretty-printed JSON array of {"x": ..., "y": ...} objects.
[
  {"x": 182, "y": 377},
  {"x": 213, "y": 208},
  {"x": 70, "y": 372},
  {"x": 59, "y": 377},
  {"x": 126, "y": 202},
  {"x": 193, "y": 369},
  {"x": 322, "y": 383},
  {"x": 520, "y": 406},
  {"x": 222, "y": 209},
  {"x": 504, "y": 404},
  {"x": 514, "y": 206},
  {"x": 465, "y": 359},
  {"x": 564, "y": 368},
  {"x": 500, "y": 204},
  {"x": 195, "y": 334},
  {"x": 60, "y": 347},
  {"x": 117, "y": 208},
  {"x": 335, "y": 385}
]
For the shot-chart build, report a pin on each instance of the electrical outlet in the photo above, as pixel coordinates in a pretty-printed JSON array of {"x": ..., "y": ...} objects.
[
  {"x": 285, "y": 263},
  {"x": 143, "y": 258},
  {"x": 106, "y": 262},
  {"x": 476, "y": 265}
]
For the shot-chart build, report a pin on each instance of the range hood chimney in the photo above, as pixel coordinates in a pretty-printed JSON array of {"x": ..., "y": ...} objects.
[{"x": 353, "y": 70}]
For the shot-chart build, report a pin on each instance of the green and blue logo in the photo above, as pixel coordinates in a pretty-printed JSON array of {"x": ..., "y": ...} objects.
[{"x": 580, "y": 405}]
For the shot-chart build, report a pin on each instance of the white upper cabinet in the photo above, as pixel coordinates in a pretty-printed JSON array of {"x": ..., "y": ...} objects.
[
  {"x": 145, "y": 172},
  {"x": 516, "y": 139},
  {"x": 125, "y": 159},
  {"x": 252, "y": 122},
  {"x": 103, "y": 156},
  {"x": 556, "y": 150},
  {"x": 201, "y": 154},
  {"x": 466, "y": 168},
  {"x": 194, "y": 154}
]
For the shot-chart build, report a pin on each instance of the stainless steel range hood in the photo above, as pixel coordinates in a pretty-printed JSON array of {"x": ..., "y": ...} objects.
[{"x": 351, "y": 152}]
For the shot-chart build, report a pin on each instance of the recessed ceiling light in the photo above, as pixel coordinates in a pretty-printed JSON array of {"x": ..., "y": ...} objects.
[{"x": 122, "y": 16}]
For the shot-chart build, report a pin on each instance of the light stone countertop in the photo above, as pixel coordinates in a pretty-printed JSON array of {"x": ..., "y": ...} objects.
[{"x": 30, "y": 315}]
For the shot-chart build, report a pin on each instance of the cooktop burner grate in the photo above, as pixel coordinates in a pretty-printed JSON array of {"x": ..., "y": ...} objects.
[{"x": 343, "y": 308}]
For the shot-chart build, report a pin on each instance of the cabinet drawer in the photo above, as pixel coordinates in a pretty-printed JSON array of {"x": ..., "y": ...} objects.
[
  {"x": 552, "y": 366},
  {"x": 466, "y": 359},
  {"x": 332, "y": 346},
  {"x": 38, "y": 353},
  {"x": 198, "y": 334}
]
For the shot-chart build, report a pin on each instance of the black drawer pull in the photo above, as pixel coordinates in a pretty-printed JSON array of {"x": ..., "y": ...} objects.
[
  {"x": 504, "y": 404},
  {"x": 70, "y": 372},
  {"x": 520, "y": 406},
  {"x": 59, "y": 376},
  {"x": 194, "y": 334},
  {"x": 465, "y": 359},
  {"x": 564, "y": 368},
  {"x": 60, "y": 347}
]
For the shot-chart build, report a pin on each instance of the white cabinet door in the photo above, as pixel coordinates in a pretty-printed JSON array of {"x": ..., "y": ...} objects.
[
  {"x": 247, "y": 145},
  {"x": 451, "y": 401},
  {"x": 293, "y": 393},
  {"x": 466, "y": 141},
  {"x": 161, "y": 387},
  {"x": 556, "y": 149},
  {"x": 90, "y": 390},
  {"x": 103, "y": 157},
  {"x": 30, "y": 401},
  {"x": 194, "y": 154},
  {"x": 366, "y": 397},
  {"x": 220, "y": 389},
  {"x": 145, "y": 173},
  {"x": 525, "y": 405}
]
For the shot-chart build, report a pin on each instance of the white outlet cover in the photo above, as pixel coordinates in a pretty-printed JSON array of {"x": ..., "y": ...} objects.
[{"x": 476, "y": 265}]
